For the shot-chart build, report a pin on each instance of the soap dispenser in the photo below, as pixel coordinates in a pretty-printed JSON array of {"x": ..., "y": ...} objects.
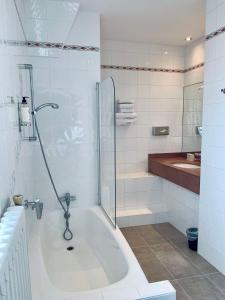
[{"x": 25, "y": 112}]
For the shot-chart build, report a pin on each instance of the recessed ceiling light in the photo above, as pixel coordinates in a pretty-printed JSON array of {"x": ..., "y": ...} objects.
[
  {"x": 165, "y": 52},
  {"x": 188, "y": 39}
]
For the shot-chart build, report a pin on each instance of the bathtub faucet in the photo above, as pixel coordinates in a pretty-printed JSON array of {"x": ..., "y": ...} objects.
[
  {"x": 37, "y": 205},
  {"x": 68, "y": 198}
]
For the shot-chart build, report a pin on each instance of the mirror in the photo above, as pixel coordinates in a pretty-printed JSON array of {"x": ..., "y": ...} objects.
[{"x": 192, "y": 117}]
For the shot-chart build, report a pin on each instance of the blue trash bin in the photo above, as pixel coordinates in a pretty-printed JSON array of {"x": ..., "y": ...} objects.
[{"x": 192, "y": 236}]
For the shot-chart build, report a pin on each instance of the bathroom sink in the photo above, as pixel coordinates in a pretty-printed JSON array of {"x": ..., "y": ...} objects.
[{"x": 186, "y": 166}]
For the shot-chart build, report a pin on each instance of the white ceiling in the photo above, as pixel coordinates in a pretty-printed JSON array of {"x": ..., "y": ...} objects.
[{"x": 155, "y": 21}]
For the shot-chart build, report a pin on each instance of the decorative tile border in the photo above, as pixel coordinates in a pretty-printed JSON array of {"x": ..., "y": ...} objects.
[
  {"x": 61, "y": 46},
  {"x": 215, "y": 33},
  {"x": 130, "y": 68},
  {"x": 44, "y": 45},
  {"x": 81, "y": 48},
  {"x": 49, "y": 45},
  {"x": 194, "y": 67},
  {"x": 163, "y": 70}
]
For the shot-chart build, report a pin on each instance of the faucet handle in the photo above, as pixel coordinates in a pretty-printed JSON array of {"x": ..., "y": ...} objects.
[
  {"x": 37, "y": 205},
  {"x": 26, "y": 204},
  {"x": 68, "y": 197}
]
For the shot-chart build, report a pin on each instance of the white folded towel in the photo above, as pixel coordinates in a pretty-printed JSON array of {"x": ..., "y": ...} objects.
[
  {"x": 121, "y": 122},
  {"x": 126, "y": 115},
  {"x": 126, "y": 105},
  {"x": 126, "y": 110}
]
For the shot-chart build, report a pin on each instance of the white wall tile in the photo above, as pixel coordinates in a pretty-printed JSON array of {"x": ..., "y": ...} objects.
[
  {"x": 69, "y": 134},
  {"x": 211, "y": 210},
  {"x": 158, "y": 101},
  {"x": 16, "y": 156},
  {"x": 211, "y": 21},
  {"x": 86, "y": 30},
  {"x": 194, "y": 54}
]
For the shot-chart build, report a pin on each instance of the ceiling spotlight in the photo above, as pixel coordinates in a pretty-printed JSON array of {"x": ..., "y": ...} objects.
[
  {"x": 165, "y": 52},
  {"x": 188, "y": 39}
]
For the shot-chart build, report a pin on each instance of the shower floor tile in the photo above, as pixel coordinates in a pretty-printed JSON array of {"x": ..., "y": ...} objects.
[{"x": 163, "y": 254}]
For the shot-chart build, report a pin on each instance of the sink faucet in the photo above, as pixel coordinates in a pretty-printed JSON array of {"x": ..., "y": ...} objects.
[
  {"x": 190, "y": 157},
  {"x": 37, "y": 205}
]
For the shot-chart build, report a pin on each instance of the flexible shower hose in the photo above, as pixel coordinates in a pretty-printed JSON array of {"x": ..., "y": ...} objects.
[{"x": 67, "y": 234}]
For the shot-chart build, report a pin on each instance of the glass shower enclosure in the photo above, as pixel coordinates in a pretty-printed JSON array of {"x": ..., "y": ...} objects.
[{"x": 107, "y": 147}]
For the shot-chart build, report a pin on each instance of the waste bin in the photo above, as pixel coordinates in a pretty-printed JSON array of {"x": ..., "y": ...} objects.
[{"x": 192, "y": 236}]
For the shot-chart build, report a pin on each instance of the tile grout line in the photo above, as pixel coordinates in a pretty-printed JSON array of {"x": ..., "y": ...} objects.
[
  {"x": 171, "y": 274},
  {"x": 148, "y": 246},
  {"x": 202, "y": 275},
  {"x": 213, "y": 283},
  {"x": 190, "y": 261},
  {"x": 183, "y": 254},
  {"x": 177, "y": 280},
  {"x": 157, "y": 257},
  {"x": 185, "y": 292}
]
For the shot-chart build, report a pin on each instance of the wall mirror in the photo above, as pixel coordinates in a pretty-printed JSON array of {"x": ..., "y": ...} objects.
[{"x": 192, "y": 117}]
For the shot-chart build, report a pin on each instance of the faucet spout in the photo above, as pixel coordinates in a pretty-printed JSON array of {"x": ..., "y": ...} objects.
[
  {"x": 39, "y": 208},
  {"x": 37, "y": 205}
]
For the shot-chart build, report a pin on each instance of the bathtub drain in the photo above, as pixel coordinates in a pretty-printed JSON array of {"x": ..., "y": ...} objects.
[{"x": 70, "y": 248}]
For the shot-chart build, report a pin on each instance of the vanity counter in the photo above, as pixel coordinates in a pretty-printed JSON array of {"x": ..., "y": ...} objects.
[{"x": 163, "y": 165}]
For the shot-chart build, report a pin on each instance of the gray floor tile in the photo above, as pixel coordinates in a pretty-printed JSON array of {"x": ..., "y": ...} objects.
[
  {"x": 200, "y": 288},
  {"x": 142, "y": 253},
  {"x": 169, "y": 232},
  {"x": 174, "y": 262},
  {"x": 180, "y": 292},
  {"x": 152, "y": 267},
  {"x": 219, "y": 280},
  {"x": 150, "y": 235},
  {"x": 154, "y": 271},
  {"x": 195, "y": 258},
  {"x": 163, "y": 254},
  {"x": 133, "y": 237}
]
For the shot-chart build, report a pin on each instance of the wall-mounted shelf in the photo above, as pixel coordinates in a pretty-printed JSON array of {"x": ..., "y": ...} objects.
[{"x": 28, "y": 131}]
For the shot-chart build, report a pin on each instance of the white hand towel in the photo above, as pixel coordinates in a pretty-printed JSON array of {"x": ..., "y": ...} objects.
[
  {"x": 126, "y": 115},
  {"x": 123, "y": 105},
  {"x": 122, "y": 122},
  {"x": 126, "y": 110}
]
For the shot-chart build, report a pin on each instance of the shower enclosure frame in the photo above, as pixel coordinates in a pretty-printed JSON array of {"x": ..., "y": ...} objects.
[{"x": 99, "y": 151}]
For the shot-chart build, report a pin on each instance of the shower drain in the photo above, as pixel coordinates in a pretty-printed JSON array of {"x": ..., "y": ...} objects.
[{"x": 70, "y": 248}]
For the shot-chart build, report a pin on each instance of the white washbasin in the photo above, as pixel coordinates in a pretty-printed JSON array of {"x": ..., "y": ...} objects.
[{"x": 186, "y": 166}]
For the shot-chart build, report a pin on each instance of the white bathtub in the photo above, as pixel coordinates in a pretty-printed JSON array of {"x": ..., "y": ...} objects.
[{"x": 101, "y": 261}]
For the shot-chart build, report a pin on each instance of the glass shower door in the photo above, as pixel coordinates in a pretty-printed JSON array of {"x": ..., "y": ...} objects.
[{"x": 107, "y": 147}]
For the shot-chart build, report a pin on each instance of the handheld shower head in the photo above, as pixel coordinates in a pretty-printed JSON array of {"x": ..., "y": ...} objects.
[
  {"x": 52, "y": 105},
  {"x": 55, "y": 106}
]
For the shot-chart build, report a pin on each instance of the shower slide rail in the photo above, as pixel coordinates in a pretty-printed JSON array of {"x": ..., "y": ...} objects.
[{"x": 14, "y": 264}]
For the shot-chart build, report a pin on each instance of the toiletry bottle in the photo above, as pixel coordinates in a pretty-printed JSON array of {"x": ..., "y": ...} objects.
[{"x": 25, "y": 112}]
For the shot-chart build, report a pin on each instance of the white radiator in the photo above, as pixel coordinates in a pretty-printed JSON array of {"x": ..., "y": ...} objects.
[{"x": 14, "y": 264}]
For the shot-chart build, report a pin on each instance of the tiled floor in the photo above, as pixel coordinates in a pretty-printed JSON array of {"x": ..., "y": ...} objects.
[{"x": 163, "y": 254}]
